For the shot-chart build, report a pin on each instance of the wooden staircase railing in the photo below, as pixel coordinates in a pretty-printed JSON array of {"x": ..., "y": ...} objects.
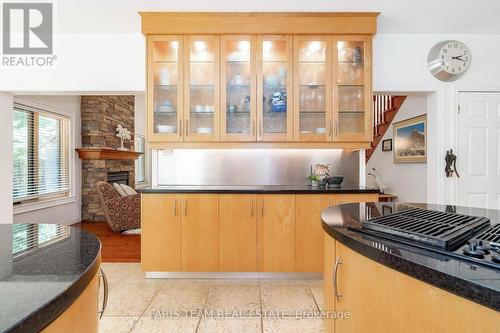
[{"x": 385, "y": 108}]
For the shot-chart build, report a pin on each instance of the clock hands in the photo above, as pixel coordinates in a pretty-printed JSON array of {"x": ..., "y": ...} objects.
[{"x": 459, "y": 58}]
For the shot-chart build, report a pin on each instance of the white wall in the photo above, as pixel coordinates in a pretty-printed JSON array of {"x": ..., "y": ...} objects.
[
  {"x": 6, "y": 103},
  {"x": 407, "y": 180},
  {"x": 108, "y": 62},
  {"x": 59, "y": 211},
  {"x": 141, "y": 129}
]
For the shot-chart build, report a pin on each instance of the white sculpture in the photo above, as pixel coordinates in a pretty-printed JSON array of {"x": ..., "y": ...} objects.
[
  {"x": 123, "y": 133},
  {"x": 377, "y": 179}
]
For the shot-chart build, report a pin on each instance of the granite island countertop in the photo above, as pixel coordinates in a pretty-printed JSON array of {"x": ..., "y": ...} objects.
[
  {"x": 256, "y": 189},
  {"x": 477, "y": 283},
  {"x": 40, "y": 280}
]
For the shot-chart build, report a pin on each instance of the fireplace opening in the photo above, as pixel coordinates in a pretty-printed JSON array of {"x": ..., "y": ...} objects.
[{"x": 120, "y": 177}]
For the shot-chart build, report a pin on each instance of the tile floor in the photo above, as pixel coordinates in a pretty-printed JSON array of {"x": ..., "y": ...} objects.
[{"x": 208, "y": 305}]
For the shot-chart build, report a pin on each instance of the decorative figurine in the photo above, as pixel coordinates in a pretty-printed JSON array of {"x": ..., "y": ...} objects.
[
  {"x": 451, "y": 161},
  {"x": 378, "y": 181},
  {"x": 123, "y": 133}
]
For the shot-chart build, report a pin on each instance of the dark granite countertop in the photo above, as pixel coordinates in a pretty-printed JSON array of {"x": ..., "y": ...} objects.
[
  {"x": 43, "y": 270},
  {"x": 477, "y": 283},
  {"x": 255, "y": 189}
]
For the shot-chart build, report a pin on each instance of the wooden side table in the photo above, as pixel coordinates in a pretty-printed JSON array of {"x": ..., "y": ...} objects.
[{"x": 387, "y": 197}]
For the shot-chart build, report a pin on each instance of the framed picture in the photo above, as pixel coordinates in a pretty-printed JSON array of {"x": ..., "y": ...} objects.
[
  {"x": 410, "y": 140},
  {"x": 387, "y": 145}
]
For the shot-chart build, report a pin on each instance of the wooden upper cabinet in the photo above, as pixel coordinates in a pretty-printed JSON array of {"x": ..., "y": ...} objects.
[
  {"x": 312, "y": 88},
  {"x": 352, "y": 88},
  {"x": 165, "y": 88},
  {"x": 201, "y": 92},
  {"x": 274, "y": 88},
  {"x": 238, "y": 88},
  {"x": 298, "y": 80}
]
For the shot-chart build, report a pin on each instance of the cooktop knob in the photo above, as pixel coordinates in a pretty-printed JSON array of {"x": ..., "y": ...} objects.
[
  {"x": 481, "y": 245},
  {"x": 473, "y": 251},
  {"x": 495, "y": 257}
]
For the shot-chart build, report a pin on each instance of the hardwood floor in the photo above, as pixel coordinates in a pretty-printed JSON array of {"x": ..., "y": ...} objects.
[{"x": 115, "y": 247}]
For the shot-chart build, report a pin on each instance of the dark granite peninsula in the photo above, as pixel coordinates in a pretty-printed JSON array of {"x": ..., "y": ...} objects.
[
  {"x": 434, "y": 289},
  {"x": 48, "y": 278},
  {"x": 256, "y": 189}
]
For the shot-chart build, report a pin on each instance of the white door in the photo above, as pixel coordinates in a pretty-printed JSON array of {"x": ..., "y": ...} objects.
[{"x": 478, "y": 161}]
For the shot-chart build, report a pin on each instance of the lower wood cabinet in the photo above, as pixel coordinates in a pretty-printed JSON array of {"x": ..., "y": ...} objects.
[
  {"x": 235, "y": 232},
  {"x": 309, "y": 233},
  {"x": 276, "y": 233},
  {"x": 161, "y": 232},
  {"x": 200, "y": 232},
  {"x": 238, "y": 233},
  {"x": 380, "y": 299}
]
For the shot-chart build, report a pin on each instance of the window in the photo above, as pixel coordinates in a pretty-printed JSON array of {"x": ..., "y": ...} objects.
[
  {"x": 41, "y": 154},
  {"x": 28, "y": 237},
  {"x": 140, "y": 163}
]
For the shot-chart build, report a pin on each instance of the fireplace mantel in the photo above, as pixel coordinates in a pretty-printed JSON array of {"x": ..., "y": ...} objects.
[{"x": 106, "y": 154}]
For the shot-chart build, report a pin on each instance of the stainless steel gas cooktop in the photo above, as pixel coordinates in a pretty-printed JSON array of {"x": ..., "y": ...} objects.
[{"x": 472, "y": 238}]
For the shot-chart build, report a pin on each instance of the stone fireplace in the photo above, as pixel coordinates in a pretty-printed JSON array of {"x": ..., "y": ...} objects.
[{"x": 100, "y": 116}]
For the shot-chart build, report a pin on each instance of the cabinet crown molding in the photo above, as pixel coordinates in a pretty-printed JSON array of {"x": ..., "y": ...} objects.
[{"x": 259, "y": 22}]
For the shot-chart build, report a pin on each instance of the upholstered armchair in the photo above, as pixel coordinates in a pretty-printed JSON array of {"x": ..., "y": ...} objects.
[{"x": 122, "y": 213}]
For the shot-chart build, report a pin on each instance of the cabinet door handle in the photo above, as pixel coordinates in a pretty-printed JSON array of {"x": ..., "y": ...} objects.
[
  {"x": 329, "y": 129},
  {"x": 251, "y": 208},
  {"x": 106, "y": 292},
  {"x": 338, "y": 295},
  {"x": 330, "y": 203},
  {"x": 187, "y": 127},
  {"x": 180, "y": 127},
  {"x": 262, "y": 209},
  {"x": 175, "y": 208},
  {"x": 185, "y": 207}
]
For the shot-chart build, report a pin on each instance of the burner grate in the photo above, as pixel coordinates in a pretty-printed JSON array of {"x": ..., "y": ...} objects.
[
  {"x": 439, "y": 229},
  {"x": 492, "y": 234}
]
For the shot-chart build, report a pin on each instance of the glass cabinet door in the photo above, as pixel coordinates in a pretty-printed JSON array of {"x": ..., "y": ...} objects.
[
  {"x": 352, "y": 88},
  {"x": 274, "y": 77},
  {"x": 165, "y": 88},
  {"x": 312, "y": 93},
  {"x": 202, "y": 88},
  {"x": 238, "y": 88}
]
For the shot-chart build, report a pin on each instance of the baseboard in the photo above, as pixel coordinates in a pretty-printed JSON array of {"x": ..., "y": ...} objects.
[{"x": 233, "y": 275}]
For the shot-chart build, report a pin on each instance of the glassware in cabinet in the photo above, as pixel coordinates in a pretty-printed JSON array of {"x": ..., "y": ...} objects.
[
  {"x": 352, "y": 88},
  {"x": 312, "y": 88},
  {"x": 165, "y": 87},
  {"x": 274, "y": 113},
  {"x": 202, "y": 88},
  {"x": 238, "y": 92}
]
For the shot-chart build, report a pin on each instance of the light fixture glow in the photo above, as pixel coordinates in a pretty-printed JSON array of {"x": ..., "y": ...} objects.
[
  {"x": 244, "y": 46},
  {"x": 267, "y": 45},
  {"x": 200, "y": 45},
  {"x": 315, "y": 46}
]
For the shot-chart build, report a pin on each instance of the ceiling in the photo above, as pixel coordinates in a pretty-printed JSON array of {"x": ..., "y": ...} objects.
[{"x": 397, "y": 16}]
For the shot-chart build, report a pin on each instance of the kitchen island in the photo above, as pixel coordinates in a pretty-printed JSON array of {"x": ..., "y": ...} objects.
[
  {"x": 48, "y": 279},
  {"x": 394, "y": 286},
  {"x": 234, "y": 229}
]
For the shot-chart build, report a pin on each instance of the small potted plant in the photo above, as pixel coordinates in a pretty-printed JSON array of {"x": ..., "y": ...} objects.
[{"x": 313, "y": 180}]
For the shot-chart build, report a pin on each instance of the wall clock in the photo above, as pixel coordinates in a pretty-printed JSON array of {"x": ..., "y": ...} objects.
[{"x": 449, "y": 60}]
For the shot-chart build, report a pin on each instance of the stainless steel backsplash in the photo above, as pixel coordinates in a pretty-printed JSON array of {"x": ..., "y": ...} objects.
[{"x": 251, "y": 166}]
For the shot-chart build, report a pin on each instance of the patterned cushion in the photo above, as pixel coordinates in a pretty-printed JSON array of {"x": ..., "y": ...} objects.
[
  {"x": 119, "y": 189},
  {"x": 128, "y": 190}
]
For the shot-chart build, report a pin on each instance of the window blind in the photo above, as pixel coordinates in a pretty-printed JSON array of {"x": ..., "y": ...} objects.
[
  {"x": 140, "y": 163},
  {"x": 40, "y": 154}
]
